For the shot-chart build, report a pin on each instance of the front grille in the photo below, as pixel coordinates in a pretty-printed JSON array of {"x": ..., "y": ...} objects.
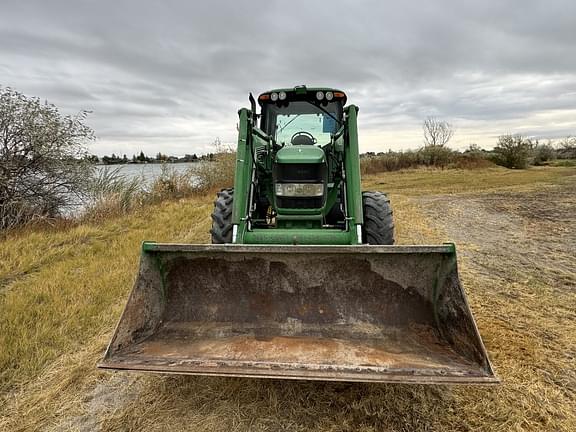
[
  {"x": 299, "y": 173},
  {"x": 300, "y": 202}
]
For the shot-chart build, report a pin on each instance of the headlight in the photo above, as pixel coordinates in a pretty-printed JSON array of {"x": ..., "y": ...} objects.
[
  {"x": 300, "y": 189},
  {"x": 329, "y": 96},
  {"x": 274, "y": 97},
  {"x": 282, "y": 95},
  {"x": 319, "y": 95}
]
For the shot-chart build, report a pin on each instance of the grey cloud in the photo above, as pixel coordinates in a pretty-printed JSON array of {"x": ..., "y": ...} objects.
[{"x": 182, "y": 69}]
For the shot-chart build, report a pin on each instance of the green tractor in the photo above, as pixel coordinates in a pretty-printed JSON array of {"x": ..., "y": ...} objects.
[
  {"x": 298, "y": 176},
  {"x": 302, "y": 280}
]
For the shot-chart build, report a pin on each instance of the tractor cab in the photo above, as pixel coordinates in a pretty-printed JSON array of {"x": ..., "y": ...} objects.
[
  {"x": 302, "y": 116},
  {"x": 306, "y": 186}
]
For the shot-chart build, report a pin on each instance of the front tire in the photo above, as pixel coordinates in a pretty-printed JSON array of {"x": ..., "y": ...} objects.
[
  {"x": 378, "y": 226},
  {"x": 222, "y": 217}
]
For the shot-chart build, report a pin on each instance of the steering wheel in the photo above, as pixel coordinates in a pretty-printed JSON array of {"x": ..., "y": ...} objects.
[{"x": 303, "y": 138}]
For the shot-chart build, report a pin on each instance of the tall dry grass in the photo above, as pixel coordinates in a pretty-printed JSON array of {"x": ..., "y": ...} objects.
[
  {"x": 216, "y": 174},
  {"x": 113, "y": 194},
  {"x": 429, "y": 157}
]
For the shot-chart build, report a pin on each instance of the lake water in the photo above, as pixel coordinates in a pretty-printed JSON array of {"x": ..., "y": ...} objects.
[{"x": 148, "y": 172}]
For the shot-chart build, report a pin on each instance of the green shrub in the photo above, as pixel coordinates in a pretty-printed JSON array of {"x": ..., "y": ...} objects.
[
  {"x": 43, "y": 167},
  {"x": 544, "y": 153},
  {"x": 430, "y": 156},
  {"x": 436, "y": 156},
  {"x": 513, "y": 151},
  {"x": 391, "y": 161},
  {"x": 472, "y": 161}
]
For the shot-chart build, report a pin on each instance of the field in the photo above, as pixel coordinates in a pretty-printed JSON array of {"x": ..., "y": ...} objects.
[{"x": 62, "y": 291}]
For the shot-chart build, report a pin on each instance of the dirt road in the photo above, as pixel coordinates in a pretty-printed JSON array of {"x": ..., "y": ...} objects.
[{"x": 531, "y": 233}]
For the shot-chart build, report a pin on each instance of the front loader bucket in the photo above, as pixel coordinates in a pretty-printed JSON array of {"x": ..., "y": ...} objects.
[{"x": 352, "y": 313}]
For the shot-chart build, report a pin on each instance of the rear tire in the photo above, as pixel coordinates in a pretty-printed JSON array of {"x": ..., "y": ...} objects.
[
  {"x": 222, "y": 217},
  {"x": 378, "y": 226}
]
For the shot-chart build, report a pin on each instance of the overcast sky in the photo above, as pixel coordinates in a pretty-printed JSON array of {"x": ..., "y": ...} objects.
[{"x": 170, "y": 75}]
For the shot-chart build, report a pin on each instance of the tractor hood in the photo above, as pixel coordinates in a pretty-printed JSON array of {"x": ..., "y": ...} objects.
[{"x": 302, "y": 154}]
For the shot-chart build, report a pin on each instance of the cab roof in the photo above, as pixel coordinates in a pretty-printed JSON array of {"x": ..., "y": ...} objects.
[{"x": 303, "y": 90}]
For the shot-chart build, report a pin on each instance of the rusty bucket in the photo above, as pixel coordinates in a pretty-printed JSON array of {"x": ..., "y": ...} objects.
[{"x": 347, "y": 313}]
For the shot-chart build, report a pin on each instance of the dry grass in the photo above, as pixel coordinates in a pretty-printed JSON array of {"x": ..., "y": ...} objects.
[
  {"x": 432, "y": 157},
  {"x": 431, "y": 181},
  {"x": 57, "y": 287},
  {"x": 114, "y": 195},
  {"x": 62, "y": 291},
  {"x": 219, "y": 173}
]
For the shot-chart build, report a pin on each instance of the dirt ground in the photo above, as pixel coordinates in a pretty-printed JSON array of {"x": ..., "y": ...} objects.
[
  {"x": 506, "y": 233},
  {"x": 517, "y": 250},
  {"x": 517, "y": 260}
]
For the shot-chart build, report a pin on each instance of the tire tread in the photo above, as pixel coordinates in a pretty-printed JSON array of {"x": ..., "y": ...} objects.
[
  {"x": 378, "y": 219},
  {"x": 221, "y": 230}
]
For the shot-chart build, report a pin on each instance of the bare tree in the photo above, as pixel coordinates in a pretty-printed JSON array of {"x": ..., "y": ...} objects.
[
  {"x": 567, "y": 148},
  {"x": 43, "y": 165},
  {"x": 437, "y": 133}
]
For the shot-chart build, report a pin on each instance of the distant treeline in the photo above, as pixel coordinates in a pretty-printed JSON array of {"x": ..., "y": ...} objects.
[
  {"x": 511, "y": 151},
  {"x": 115, "y": 159}
]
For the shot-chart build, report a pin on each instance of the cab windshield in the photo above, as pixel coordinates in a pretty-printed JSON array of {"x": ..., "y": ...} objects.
[{"x": 284, "y": 122}]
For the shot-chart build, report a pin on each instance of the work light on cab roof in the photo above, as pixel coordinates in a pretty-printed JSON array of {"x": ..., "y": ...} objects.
[{"x": 302, "y": 91}]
